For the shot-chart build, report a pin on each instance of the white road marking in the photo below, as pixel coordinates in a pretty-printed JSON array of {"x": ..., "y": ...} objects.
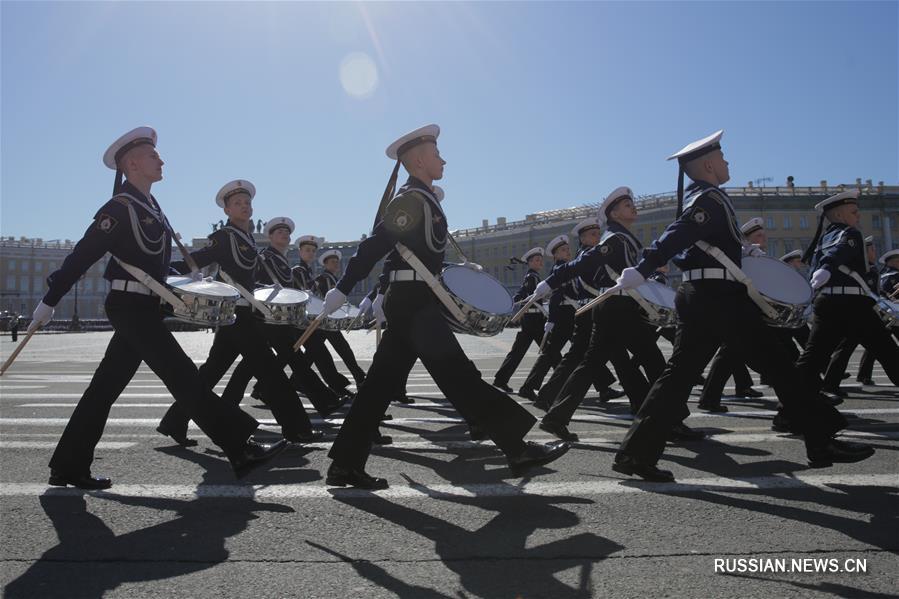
[
  {"x": 318, "y": 490},
  {"x": 52, "y": 444}
]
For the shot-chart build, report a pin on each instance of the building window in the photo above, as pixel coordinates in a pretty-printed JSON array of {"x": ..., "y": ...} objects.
[
  {"x": 10, "y": 282},
  {"x": 788, "y": 224},
  {"x": 23, "y": 283},
  {"x": 88, "y": 285},
  {"x": 788, "y": 246},
  {"x": 769, "y": 223},
  {"x": 803, "y": 222},
  {"x": 25, "y": 265},
  {"x": 875, "y": 221},
  {"x": 12, "y": 265},
  {"x": 772, "y": 247}
]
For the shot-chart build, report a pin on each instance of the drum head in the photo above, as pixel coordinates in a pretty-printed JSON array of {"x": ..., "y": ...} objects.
[
  {"x": 204, "y": 287},
  {"x": 314, "y": 306},
  {"x": 283, "y": 295},
  {"x": 777, "y": 280},
  {"x": 658, "y": 294},
  {"x": 477, "y": 289}
]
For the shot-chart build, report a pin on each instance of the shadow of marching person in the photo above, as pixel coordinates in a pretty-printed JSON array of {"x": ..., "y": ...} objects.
[
  {"x": 529, "y": 569},
  {"x": 91, "y": 560}
]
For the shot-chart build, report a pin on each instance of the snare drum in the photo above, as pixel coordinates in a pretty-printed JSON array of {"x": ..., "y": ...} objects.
[
  {"x": 783, "y": 287},
  {"x": 353, "y": 323},
  {"x": 286, "y": 305},
  {"x": 888, "y": 311},
  {"x": 206, "y": 302},
  {"x": 333, "y": 322},
  {"x": 486, "y": 304},
  {"x": 661, "y": 297}
]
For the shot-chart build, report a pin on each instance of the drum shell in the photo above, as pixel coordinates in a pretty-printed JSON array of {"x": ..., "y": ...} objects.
[
  {"x": 480, "y": 323},
  {"x": 283, "y": 313},
  {"x": 888, "y": 312},
  {"x": 789, "y": 314},
  {"x": 334, "y": 322},
  {"x": 203, "y": 309}
]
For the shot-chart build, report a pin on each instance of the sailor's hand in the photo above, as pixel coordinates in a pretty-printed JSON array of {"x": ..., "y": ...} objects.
[
  {"x": 819, "y": 278},
  {"x": 334, "y": 299},
  {"x": 377, "y": 309},
  {"x": 196, "y": 276},
  {"x": 753, "y": 250},
  {"x": 365, "y": 305},
  {"x": 630, "y": 279},
  {"x": 41, "y": 316},
  {"x": 548, "y": 327},
  {"x": 543, "y": 289}
]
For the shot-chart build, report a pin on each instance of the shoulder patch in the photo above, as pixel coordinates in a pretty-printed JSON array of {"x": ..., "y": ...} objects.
[
  {"x": 850, "y": 241},
  {"x": 605, "y": 249},
  {"x": 106, "y": 223},
  {"x": 699, "y": 216}
]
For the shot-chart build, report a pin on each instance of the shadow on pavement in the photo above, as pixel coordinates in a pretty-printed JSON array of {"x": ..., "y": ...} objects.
[{"x": 91, "y": 560}]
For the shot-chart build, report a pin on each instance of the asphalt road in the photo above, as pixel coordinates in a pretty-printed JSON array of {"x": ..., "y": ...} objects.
[{"x": 454, "y": 523}]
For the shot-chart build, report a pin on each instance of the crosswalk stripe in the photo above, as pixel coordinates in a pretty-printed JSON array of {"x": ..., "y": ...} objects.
[
  {"x": 317, "y": 490},
  {"x": 52, "y": 444}
]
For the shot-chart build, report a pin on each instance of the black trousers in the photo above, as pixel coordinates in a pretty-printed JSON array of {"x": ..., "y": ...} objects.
[
  {"x": 246, "y": 338},
  {"x": 317, "y": 352},
  {"x": 711, "y": 314},
  {"x": 282, "y": 338},
  {"x": 418, "y": 330},
  {"x": 551, "y": 355},
  {"x": 141, "y": 336},
  {"x": 836, "y": 318},
  {"x": 580, "y": 340},
  {"x": 724, "y": 365},
  {"x": 619, "y": 327},
  {"x": 531, "y": 332},
  {"x": 343, "y": 349},
  {"x": 839, "y": 363}
]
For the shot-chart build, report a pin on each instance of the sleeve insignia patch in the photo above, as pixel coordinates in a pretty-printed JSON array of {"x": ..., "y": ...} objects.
[
  {"x": 148, "y": 220},
  {"x": 243, "y": 247},
  {"x": 851, "y": 242},
  {"x": 106, "y": 223},
  {"x": 604, "y": 249},
  {"x": 700, "y": 216},
  {"x": 402, "y": 220}
]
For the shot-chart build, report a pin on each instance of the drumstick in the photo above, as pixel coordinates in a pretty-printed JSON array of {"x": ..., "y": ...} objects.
[
  {"x": 19, "y": 348},
  {"x": 377, "y": 332},
  {"x": 543, "y": 341},
  {"x": 527, "y": 304},
  {"x": 598, "y": 300},
  {"x": 309, "y": 330}
]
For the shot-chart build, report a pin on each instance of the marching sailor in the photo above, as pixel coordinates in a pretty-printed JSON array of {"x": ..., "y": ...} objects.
[
  {"x": 588, "y": 233},
  {"x": 234, "y": 250},
  {"x": 411, "y": 230},
  {"x": 274, "y": 269},
  {"x": 620, "y": 324},
  {"x": 324, "y": 282},
  {"x": 839, "y": 263},
  {"x": 715, "y": 309},
  {"x": 132, "y": 227},
  {"x": 532, "y": 322},
  {"x": 315, "y": 346}
]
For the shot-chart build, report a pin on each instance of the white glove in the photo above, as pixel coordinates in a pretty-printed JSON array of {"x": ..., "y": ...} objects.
[
  {"x": 543, "y": 289},
  {"x": 473, "y": 266},
  {"x": 753, "y": 250},
  {"x": 365, "y": 305},
  {"x": 819, "y": 278},
  {"x": 41, "y": 316},
  {"x": 333, "y": 300},
  {"x": 377, "y": 309},
  {"x": 196, "y": 276},
  {"x": 630, "y": 279},
  {"x": 548, "y": 327}
]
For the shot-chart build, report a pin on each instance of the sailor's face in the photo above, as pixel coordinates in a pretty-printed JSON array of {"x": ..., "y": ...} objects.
[
  {"x": 624, "y": 211},
  {"x": 720, "y": 166},
  {"x": 535, "y": 262},
  {"x": 795, "y": 263},
  {"x": 145, "y": 162},
  {"x": 432, "y": 162},
  {"x": 280, "y": 237},
  {"x": 590, "y": 238},
  {"x": 307, "y": 252},
  {"x": 851, "y": 215},
  {"x": 239, "y": 207},
  {"x": 563, "y": 252},
  {"x": 893, "y": 262},
  {"x": 759, "y": 238},
  {"x": 332, "y": 265}
]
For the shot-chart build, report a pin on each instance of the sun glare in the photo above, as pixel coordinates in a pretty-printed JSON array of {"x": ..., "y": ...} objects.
[{"x": 358, "y": 75}]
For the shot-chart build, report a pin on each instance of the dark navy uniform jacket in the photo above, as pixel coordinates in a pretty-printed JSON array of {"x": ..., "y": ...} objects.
[
  {"x": 709, "y": 216},
  {"x": 234, "y": 250},
  {"x": 618, "y": 249},
  {"x": 841, "y": 245},
  {"x": 302, "y": 277},
  {"x": 413, "y": 217},
  {"x": 564, "y": 292},
  {"x": 324, "y": 283},
  {"x": 531, "y": 279},
  {"x": 273, "y": 262},
  {"x": 130, "y": 226}
]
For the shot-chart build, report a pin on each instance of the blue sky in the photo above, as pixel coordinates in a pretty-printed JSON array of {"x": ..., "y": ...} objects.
[{"x": 542, "y": 105}]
